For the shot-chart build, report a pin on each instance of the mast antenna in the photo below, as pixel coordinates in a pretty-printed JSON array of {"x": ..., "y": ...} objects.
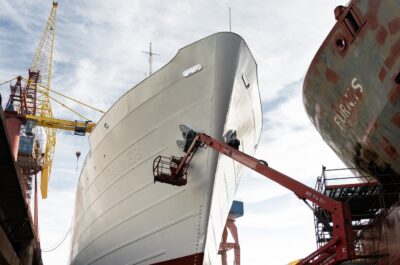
[
  {"x": 150, "y": 53},
  {"x": 230, "y": 20}
]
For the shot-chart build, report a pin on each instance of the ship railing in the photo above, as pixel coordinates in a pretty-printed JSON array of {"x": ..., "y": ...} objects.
[
  {"x": 332, "y": 180},
  {"x": 341, "y": 176}
]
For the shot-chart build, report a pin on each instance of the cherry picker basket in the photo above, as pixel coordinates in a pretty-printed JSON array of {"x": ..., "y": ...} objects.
[{"x": 165, "y": 170}]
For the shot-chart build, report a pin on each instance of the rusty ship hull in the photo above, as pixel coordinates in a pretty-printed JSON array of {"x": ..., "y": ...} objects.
[{"x": 351, "y": 93}]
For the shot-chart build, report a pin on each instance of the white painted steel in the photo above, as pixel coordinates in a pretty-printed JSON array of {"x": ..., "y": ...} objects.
[{"x": 121, "y": 216}]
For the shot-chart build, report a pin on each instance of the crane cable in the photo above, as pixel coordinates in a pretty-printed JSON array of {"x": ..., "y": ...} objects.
[
  {"x": 58, "y": 93},
  {"x": 65, "y": 106},
  {"x": 59, "y": 243},
  {"x": 70, "y": 98},
  {"x": 77, "y": 101},
  {"x": 8, "y": 81}
]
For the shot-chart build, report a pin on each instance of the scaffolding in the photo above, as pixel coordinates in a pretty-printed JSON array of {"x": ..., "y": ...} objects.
[{"x": 367, "y": 198}]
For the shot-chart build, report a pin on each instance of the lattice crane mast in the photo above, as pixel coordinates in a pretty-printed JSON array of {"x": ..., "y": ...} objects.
[
  {"x": 29, "y": 106},
  {"x": 42, "y": 68}
]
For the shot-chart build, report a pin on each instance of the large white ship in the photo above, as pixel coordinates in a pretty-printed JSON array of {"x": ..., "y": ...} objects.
[{"x": 121, "y": 215}]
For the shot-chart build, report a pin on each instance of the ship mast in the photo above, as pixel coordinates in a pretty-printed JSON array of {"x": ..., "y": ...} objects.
[{"x": 150, "y": 53}]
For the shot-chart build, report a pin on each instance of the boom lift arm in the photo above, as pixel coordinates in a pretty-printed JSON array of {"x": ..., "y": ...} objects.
[{"x": 174, "y": 171}]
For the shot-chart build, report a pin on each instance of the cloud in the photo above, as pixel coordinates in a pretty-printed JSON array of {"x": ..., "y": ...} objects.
[
  {"x": 276, "y": 231},
  {"x": 255, "y": 188}
]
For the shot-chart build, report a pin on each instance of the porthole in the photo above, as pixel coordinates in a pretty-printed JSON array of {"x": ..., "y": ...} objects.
[{"x": 341, "y": 43}]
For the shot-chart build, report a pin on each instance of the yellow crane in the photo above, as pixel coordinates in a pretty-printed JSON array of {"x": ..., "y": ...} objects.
[
  {"x": 42, "y": 64},
  {"x": 30, "y": 101}
]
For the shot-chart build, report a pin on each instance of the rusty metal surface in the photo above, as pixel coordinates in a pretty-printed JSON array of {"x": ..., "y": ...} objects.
[
  {"x": 352, "y": 95},
  {"x": 13, "y": 129},
  {"x": 15, "y": 217},
  {"x": 384, "y": 236},
  {"x": 7, "y": 252},
  {"x": 351, "y": 91}
]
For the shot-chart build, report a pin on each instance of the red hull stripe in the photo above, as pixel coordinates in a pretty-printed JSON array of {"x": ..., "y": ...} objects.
[{"x": 195, "y": 259}]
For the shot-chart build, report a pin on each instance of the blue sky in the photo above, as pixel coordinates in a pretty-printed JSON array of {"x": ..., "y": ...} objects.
[{"x": 98, "y": 57}]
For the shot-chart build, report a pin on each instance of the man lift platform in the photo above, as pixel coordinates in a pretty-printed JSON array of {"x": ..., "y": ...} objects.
[{"x": 340, "y": 248}]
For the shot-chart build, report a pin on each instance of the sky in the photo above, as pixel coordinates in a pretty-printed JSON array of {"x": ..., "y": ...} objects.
[{"x": 99, "y": 56}]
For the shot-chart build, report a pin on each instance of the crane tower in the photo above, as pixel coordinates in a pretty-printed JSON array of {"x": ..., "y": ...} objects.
[{"x": 30, "y": 122}]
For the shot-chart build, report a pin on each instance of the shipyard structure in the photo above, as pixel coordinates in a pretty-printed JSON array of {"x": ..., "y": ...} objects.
[{"x": 158, "y": 183}]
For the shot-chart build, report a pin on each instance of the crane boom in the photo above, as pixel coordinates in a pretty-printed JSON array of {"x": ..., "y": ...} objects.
[
  {"x": 42, "y": 64},
  {"x": 43, "y": 59},
  {"x": 78, "y": 126}
]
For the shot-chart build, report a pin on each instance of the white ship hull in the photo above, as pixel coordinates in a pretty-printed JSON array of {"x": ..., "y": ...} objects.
[{"x": 121, "y": 215}]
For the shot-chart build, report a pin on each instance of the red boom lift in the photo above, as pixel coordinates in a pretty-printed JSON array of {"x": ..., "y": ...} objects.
[{"x": 340, "y": 248}]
